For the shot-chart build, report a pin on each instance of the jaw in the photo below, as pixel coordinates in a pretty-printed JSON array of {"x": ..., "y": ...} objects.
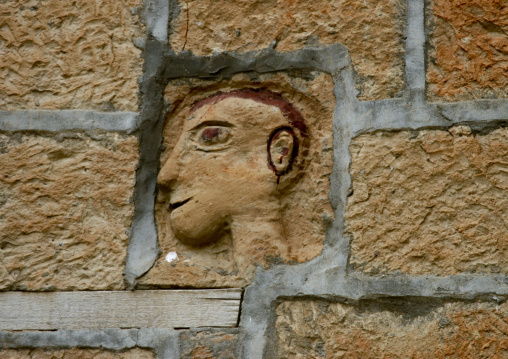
[{"x": 197, "y": 226}]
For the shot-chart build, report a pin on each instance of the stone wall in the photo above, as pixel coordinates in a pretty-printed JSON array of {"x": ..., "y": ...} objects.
[{"x": 345, "y": 164}]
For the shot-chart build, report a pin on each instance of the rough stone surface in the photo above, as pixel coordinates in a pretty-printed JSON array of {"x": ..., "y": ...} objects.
[
  {"x": 135, "y": 353},
  {"x": 209, "y": 344},
  {"x": 391, "y": 329},
  {"x": 304, "y": 210},
  {"x": 372, "y": 31},
  {"x": 58, "y": 54},
  {"x": 468, "y": 53},
  {"x": 64, "y": 210},
  {"x": 429, "y": 202}
]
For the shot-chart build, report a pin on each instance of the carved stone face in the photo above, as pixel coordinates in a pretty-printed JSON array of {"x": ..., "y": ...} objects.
[{"x": 219, "y": 171}]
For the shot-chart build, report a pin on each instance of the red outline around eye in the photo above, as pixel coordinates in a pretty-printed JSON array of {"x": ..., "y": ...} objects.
[{"x": 204, "y": 145}]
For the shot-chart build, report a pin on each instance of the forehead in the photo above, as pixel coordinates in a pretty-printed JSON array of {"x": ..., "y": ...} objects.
[{"x": 236, "y": 112}]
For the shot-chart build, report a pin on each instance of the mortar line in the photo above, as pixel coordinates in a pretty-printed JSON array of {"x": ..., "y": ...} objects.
[
  {"x": 65, "y": 120},
  {"x": 156, "y": 17},
  {"x": 143, "y": 249},
  {"x": 415, "y": 47},
  {"x": 160, "y": 340}
]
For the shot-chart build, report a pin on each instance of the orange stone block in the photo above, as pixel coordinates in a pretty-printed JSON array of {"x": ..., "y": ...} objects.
[{"x": 468, "y": 52}]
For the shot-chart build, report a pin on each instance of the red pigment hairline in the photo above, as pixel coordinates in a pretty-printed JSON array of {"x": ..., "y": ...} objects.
[{"x": 263, "y": 96}]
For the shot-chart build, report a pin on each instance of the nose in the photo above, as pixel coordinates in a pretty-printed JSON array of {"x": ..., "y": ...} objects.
[{"x": 169, "y": 173}]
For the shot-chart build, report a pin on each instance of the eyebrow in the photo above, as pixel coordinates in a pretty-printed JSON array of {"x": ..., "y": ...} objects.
[
  {"x": 214, "y": 123},
  {"x": 266, "y": 97}
]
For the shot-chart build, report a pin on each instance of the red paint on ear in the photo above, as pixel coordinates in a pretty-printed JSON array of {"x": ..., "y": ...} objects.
[{"x": 285, "y": 152}]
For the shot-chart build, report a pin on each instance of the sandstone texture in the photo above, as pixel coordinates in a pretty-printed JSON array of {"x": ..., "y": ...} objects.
[
  {"x": 65, "y": 206},
  {"x": 372, "y": 30},
  {"x": 429, "y": 202},
  {"x": 135, "y": 353},
  {"x": 209, "y": 344},
  {"x": 58, "y": 54},
  {"x": 468, "y": 53},
  {"x": 391, "y": 329},
  {"x": 287, "y": 226}
]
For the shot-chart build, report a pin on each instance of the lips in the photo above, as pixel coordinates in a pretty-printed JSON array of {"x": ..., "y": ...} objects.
[{"x": 178, "y": 204}]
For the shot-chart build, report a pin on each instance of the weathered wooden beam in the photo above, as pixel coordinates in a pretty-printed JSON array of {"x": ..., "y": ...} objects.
[{"x": 137, "y": 309}]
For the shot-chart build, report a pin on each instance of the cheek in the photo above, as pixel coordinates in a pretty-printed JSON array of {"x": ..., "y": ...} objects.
[
  {"x": 240, "y": 165},
  {"x": 202, "y": 164}
]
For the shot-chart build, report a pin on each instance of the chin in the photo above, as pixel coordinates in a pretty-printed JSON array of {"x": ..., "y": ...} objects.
[{"x": 195, "y": 230}]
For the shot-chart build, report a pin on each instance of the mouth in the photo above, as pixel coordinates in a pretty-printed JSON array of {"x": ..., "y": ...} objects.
[{"x": 175, "y": 205}]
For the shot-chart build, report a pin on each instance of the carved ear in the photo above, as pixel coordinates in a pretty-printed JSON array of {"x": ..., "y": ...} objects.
[{"x": 282, "y": 150}]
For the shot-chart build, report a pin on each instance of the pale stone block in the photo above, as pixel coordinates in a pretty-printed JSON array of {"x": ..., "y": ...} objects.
[
  {"x": 60, "y": 54},
  {"x": 429, "y": 202},
  {"x": 65, "y": 206},
  {"x": 391, "y": 328}
]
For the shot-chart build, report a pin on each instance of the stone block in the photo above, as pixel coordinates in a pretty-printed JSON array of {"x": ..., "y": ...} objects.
[
  {"x": 372, "y": 30},
  {"x": 236, "y": 181},
  {"x": 468, "y": 52},
  {"x": 59, "y": 54},
  {"x": 390, "y": 328},
  {"x": 210, "y": 344},
  {"x": 65, "y": 207},
  {"x": 432, "y": 202},
  {"x": 135, "y": 353}
]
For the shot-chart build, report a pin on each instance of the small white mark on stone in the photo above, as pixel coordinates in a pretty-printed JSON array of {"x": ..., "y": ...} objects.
[
  {"x": 198, "y": 23},
  {"x": 172, "y": 256}
]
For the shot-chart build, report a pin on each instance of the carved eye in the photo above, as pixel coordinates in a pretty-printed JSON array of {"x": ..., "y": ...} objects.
[{"x": 213, "y": 136}]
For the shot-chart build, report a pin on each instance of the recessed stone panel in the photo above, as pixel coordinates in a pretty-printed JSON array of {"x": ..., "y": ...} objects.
[
  {"x": 431, "y": 202},
  {"x": 396, "y": 328},
  {"x": 65, "y": 207},
  {"x": 372, "y": 30},
  {"x": 244, "y": 178},
  {"x": 468, "y": 53},
  {"x": 58, "y": 54}
]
